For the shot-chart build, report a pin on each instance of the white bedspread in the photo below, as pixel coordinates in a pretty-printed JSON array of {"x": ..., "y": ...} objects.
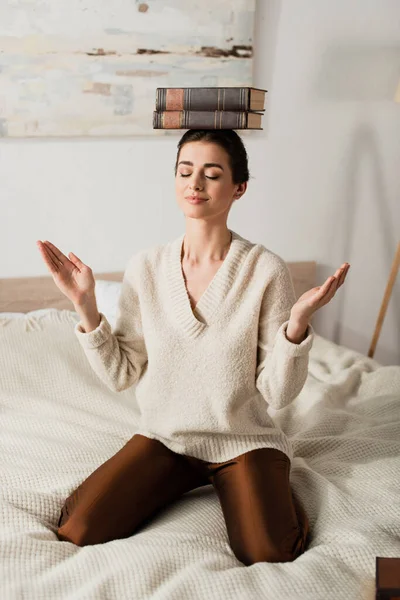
[{"x": 58, "y": 423}]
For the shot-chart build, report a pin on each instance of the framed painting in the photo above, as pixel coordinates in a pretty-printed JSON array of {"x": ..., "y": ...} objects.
[{"x": 91, "y": 67}]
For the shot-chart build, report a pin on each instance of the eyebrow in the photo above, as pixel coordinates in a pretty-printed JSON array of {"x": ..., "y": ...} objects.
[{"x": 187, "y": 162}]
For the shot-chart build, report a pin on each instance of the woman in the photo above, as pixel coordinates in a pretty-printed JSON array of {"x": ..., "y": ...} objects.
[{"x": 210, "y": 331}]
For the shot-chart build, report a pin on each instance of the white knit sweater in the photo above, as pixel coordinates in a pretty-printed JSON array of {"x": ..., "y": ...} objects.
[{"x": 204, "y": 378}]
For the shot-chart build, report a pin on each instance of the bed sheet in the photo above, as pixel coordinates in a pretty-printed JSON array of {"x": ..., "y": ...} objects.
[{"x": 58, "y": 423}]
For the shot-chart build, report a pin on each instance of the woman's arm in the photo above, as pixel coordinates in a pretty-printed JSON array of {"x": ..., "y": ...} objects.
[
  {"x": 296, "y": 330},
  {"x": 283, "y": 343},
  {"x": 118, "y": 357},
  {"x": 89, "y": 314}
]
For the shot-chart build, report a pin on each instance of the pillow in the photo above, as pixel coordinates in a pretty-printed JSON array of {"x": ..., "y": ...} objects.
[{"x": 107, "y": 297}]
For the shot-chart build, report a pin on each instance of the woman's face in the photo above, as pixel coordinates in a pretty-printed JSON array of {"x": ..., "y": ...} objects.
[{"x": 203, "y": 170}]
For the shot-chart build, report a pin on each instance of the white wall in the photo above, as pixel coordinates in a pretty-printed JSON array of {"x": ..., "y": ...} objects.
[{"x": 324, "y": 181}]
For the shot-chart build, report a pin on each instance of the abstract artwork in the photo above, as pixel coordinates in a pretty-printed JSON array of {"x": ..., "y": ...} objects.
[{"x": 91, "y": 67}]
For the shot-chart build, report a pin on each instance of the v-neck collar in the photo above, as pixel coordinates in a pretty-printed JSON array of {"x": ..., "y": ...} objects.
[{"x": 194, "y": 321}]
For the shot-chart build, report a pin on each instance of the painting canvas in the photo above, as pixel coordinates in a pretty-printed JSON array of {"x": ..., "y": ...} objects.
[{"x": 91, "y": 67}]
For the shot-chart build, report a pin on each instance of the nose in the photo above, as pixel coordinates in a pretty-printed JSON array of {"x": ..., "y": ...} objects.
[{"x": 195, "y": 184}]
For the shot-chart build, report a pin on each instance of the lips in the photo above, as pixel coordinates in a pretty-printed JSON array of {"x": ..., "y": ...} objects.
[{"x": 195, "y": 200}]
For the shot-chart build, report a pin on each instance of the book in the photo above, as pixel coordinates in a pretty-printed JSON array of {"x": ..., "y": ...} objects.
[
  {"x": 203, "y": 119},
  {"x": 210, "y": 98}
]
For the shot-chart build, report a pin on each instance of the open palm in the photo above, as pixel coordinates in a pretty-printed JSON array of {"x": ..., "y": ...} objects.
[
  {"x": 318, "y": 296},
  {"x": 71, "y": 275}
]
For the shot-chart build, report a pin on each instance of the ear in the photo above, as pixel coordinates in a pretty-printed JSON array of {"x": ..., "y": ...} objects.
[{"x": 240, "y": 190}]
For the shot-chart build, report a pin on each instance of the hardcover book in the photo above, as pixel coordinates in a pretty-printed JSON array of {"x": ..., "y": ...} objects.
[
  {"x": 195, "y": 119},
  {"x": 211, "y": 98}
]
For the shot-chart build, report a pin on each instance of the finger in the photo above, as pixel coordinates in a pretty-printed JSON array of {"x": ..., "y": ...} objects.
[
  {"x": 339, "y": 271},
  {"x": 77, "y": 262},
  {"x": 328, "y": 283},
  {"x": 46, "y": 254},
  {"x": 51, "y": 254},
  {"x": 334, "y": 282},
  {"x": 48, "y": 257},
  {"x": 333, "y": 287},
  {"x": 324, "y": 289},
  {"x": 57, "y": 253},
  {"x": 338, "y": 280},
  {"x": 339, "y": 275},
  {"x": 344, "y": 274}
]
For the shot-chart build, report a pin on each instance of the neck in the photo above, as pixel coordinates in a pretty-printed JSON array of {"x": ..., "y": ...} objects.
[{"x": 206, "y": 248}]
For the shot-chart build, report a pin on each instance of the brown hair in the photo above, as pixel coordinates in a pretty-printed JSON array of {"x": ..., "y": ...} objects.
[{"x": 229, "y": 140}]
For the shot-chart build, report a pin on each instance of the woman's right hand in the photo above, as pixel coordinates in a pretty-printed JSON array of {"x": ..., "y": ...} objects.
[{"x": 71, "y": 275}]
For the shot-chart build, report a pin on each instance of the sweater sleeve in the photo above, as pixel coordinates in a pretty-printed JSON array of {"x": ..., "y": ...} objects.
[
  {"x": 282, "y": 366},
  {"x": 118, "y": 357}
]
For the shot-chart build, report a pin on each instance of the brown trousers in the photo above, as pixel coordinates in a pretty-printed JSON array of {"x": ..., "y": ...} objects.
[{"x": 264, "y": 519}]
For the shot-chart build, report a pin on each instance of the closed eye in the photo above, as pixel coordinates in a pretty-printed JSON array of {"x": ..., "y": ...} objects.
[{"x": 188, "y": 175}]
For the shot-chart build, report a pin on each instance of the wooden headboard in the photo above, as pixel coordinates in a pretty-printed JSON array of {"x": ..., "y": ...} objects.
[{"x": 24, "y": 294}]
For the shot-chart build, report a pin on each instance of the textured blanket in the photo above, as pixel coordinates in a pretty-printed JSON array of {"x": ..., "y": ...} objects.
[{"x": 58, "y": 423}]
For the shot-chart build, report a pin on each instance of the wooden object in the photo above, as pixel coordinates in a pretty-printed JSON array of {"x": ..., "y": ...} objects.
[
  {"x": 24, "y": 294},
  {"x": 385, "y": 301}
]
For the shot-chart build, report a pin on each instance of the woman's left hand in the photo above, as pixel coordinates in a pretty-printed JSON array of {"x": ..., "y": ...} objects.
[{"x": 318, "y": 296}]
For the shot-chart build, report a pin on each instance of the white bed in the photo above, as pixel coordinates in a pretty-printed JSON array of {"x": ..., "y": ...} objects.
[{"x": 59, "y": 423}]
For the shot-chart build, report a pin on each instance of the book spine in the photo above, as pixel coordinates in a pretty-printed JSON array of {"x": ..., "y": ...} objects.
[
  {"x": 184, "y": 119},
  {"x": 203, "y": 99}
]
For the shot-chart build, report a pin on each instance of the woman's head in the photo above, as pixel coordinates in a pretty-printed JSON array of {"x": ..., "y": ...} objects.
[
  {"x": 229, "y": 141},
  {"x": 210, "y": 164}
]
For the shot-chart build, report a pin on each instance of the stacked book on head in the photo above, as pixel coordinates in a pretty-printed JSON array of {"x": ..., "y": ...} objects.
[{"x": 209, "y": 108}]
